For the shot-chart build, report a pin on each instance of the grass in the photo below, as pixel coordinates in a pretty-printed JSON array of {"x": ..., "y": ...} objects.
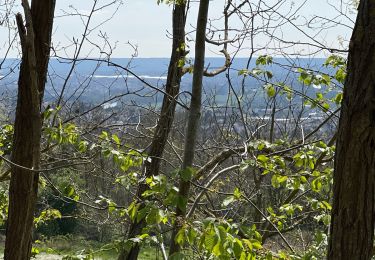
[
  {"x": 146, "y": 253},
  {"x": 59, "y": 246},
  {"x": 69, "y": 245}
]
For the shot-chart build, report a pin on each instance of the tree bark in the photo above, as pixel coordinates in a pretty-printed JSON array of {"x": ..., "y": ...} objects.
[
  {"x": 35, "y": 40},
  {"x": 163, "y": 128},
  {"x": 352, "y": 227},
  {"x": 194, "y": 117}
]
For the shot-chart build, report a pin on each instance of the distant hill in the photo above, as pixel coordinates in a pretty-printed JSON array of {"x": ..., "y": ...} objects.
[{"x": 93, "y": 82}]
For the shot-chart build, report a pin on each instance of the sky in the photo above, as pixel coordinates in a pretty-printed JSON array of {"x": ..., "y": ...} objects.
[{"x": 146, "y": 25}]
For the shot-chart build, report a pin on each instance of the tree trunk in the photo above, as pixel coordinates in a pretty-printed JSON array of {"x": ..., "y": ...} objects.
[
  {"x": 163, "y": 128},
  {"x": 352, "y": 227},
  {"x": 35, "y": 40},
  {"x": 194, "y": 118}
]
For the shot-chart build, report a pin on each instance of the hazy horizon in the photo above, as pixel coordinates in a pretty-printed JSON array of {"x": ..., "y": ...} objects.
[{"x": 149, "y": 33}]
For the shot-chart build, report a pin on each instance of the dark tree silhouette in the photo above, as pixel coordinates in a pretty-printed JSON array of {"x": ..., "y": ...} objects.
[
  {"x": 35, "y": 40},
  {"x": 352, "y": 227}
]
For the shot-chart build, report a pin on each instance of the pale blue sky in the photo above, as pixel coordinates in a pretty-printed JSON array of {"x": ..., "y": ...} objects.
[{"x": 145, "y": 24}]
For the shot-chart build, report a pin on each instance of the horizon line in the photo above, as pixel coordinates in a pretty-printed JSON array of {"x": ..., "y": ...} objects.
[{"x": 210, "y": 57}]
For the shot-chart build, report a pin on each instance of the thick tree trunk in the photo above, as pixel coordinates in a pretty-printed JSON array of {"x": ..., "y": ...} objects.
[
  {"x": 194, "y": 117},
  {"x": 163, "y": 128},
  {"x": 23, "y": 189},
  {"x": 352, "y": 227}
]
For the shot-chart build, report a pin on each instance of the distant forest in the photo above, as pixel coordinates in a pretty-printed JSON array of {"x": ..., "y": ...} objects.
[{"x": 264, "y": 151}]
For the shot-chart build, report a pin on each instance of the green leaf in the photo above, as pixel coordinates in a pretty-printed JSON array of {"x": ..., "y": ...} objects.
[
  {"x": 282, "y": 179},
  {"x": 248, "y": 243},
  {"x": 82, "y": 146},
  {"x": 326, "y": 79},
  {"x": 142, "y": 213},
  {"x": 69, "y": 191},
  {"x": 181, "y": 63},
  {"x": 111, "y": 206},
  {"x": 192, "y": 235},
  {"x": 340, "y": 76},
  {"x": 210, "y": 241},
  {"x": 243, "y": 72},
  {"x": 326, "y": 105},
  {"x": 271, "y": 91},
  {"x": 104, "y": 135},
  {"x": 180, "y": 237},
  {"x": 261, "y": 146},
  {"x": 338, "y": 98},
  {"x": 35, "y": 251},
  {"x": 237, "y": 248},
  {"x": 237, "y": 193},
  {"x": 132, "y": 210},
  {"x": 154, "y": 216},
  {"x": 218, "y": 249},
  {"x": 316, "y": 185},
  {"x": 256, "y": 244},
  {"x": 264, "y": 60},
  {"x": 116, "y": 139},
  {"x": 262, "y": 158},
  {"x": 182, "y": 202},
  {"x": 327, "y": 205},
  {"x": 319, "y": 96},
  {"x": 275, "y": 182},
  {"x": 187, "y": 174},
  {"x": 177, "y": 256}
]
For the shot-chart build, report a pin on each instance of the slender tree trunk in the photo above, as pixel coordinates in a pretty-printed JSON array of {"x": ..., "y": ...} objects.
[
  {"x": 352, "y": 227},
  {"x": 35, "y": 40},
  {"x": 194, "y": 118},
  {"x": 164, "y": 125}
]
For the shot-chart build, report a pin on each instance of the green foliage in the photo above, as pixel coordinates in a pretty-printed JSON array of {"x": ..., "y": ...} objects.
[
  {"x": 34, "y": 251},
  {"x": 6, "y": 138},
  {"x": 256, "y": 72},
  {"x": 264, "y": 60},
  {"x": 285, "y": 168},
  {"x": 335, "y": 61},
  {"x": 297, "y": 170},
  {"x": 51, "y": 221},
  {"x": 3, "y": 205},
  {"x": 220, "y": 240},
  {"x": 187, "y": 174},
  {"x": 111, "y": 148},
  {"x": 106, "y": 202},
  {"x": 328, "y": 83},
  {"x": 309, "y": 78},
  {"x": 47, "y": 215},
  {"x": 270, "y": 89},
  {"x": 237, "y": 194}
]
